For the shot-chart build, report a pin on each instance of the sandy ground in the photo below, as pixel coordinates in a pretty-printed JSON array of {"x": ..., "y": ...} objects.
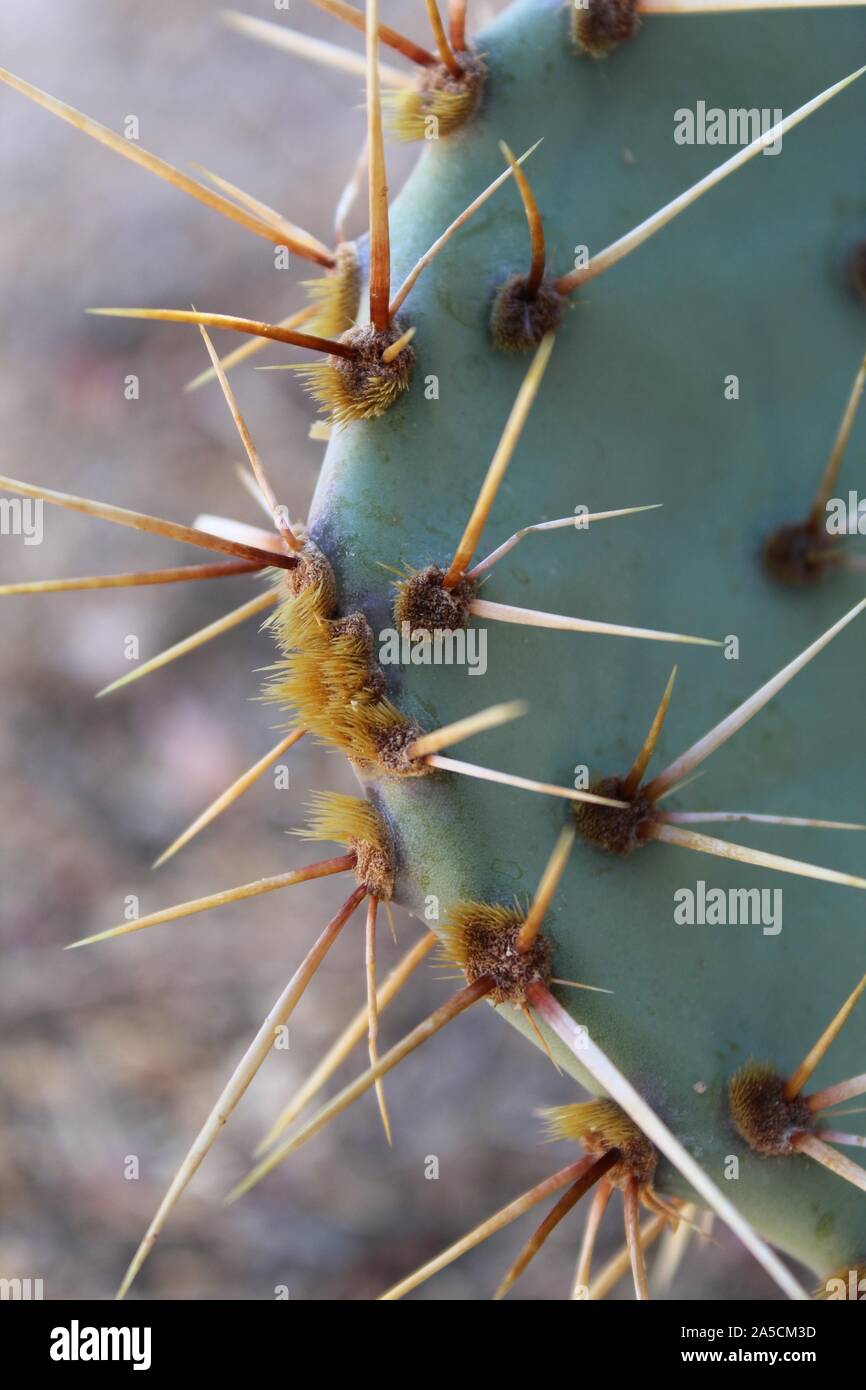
[{"x": 117, "y": 1052}]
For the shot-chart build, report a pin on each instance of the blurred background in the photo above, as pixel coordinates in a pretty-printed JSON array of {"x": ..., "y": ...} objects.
[{"x": 120, "y": 1050}]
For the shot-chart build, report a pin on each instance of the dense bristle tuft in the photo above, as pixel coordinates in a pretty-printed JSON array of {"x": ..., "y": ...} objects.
[
  {"x": 439, "y": 103},
  {"x": 313, "y": 575},
  {"x": 602, "y": 1125},
  {"x": 482, "y": 939},
  {"x": 336, "y": 295},
  {"x": 329, "y": 677},
  {"x": 361, "y": 387},
  {"x": 761, "y": 1114},
  {"x": 356, "y": 823}
]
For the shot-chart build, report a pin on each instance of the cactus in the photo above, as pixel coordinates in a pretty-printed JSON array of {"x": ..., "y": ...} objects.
[{"x": 705, "y": 371}]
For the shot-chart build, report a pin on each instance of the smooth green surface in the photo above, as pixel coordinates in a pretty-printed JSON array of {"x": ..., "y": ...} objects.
[{"x": 632, "y": 410}]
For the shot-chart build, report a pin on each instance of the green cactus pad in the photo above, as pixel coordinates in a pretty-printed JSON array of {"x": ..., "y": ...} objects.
[{"x": 751, "y": 282}]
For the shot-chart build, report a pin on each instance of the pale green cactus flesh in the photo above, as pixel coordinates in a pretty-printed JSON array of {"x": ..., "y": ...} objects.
[{"x": 751, "y": 283}]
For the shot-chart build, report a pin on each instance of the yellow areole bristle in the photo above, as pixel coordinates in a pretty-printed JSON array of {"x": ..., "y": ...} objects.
[
  {"x": 343, "y": 819},
  {"x": 336, "y": 294},
  {"x": 438, "y": 105},
  {"x": 407, "y": 112},
  {"x": 329, "y": 679},
  {"x": 463, "y": 918},
  {"x": 351, "y": 821},
  {"x": 482, "y": 939},
  {"x": 333, "y": 392},
  {"x": 603, "y": 1118}
]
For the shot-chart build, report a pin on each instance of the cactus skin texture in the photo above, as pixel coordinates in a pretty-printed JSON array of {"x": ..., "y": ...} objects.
[{"x": 750, "y": 281}]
